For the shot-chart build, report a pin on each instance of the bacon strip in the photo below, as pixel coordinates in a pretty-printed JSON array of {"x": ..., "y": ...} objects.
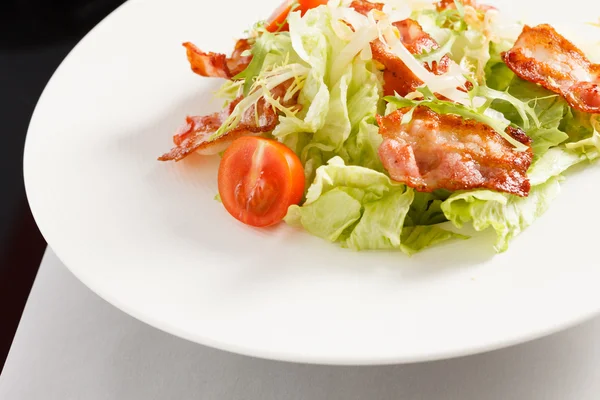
[
  {"x": 437, "y": 151},
  {"x": 450, "y": 5},
  {"x": 397, "y": 76},
  {"x": 543, "y": 56},
  {"x": 218, "y": 65},
  {"x": 195, "y": 134},
  {"x": 364, "y": 6}
]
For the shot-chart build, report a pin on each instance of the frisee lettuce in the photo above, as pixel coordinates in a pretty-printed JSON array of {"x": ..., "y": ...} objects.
[{"x": 268, "y": 49}]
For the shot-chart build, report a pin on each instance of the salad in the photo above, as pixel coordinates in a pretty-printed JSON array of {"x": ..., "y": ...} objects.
[{"x": 381, "y": 125}]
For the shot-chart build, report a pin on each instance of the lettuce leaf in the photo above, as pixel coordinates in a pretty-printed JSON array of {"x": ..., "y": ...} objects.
[
  {"x": 417, "y": 238},
  {"x": 589, "y": 147},
  {"x": 577, "y": 125},
  {"x": 348, "y": 131},
  {"x": 362, "y": 146},
  {"x": 329, "y": 216},
  {"x": 497, "y": 74},
  {"x": 561, "y": 138},
  {"x": 467, "y": 41},
  {"x": 362, "y": 209},
  {"x": 507, "y": 215},
  {"x": 334, "y": 106},
  {"x": 553, "y": 163},
  {"x": 549, "y": 108},
  {"x": 426, "y": 209},
  {"x": 380, "y": 227},
  {"x": 309, "y": 42},
  {"x": 268, "y": 50}
]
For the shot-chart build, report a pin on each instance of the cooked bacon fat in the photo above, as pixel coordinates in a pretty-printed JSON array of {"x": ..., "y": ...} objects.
[
  {"x": 541, "y": 55},
  {"x": 435, "y": 151},
  {"x": 218, "y": 65}
]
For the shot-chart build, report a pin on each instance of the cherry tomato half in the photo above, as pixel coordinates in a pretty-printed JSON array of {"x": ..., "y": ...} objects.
[
  {"x": 259, "y": 179},
  {"x": 277, "y": 21}
]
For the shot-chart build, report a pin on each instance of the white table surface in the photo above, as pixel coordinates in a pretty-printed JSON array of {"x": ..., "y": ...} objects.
[{"x": 73, "y": 345}]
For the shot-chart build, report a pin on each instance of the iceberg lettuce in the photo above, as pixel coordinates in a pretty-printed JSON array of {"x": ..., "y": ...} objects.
[
  {"x": 507, "y": 215},
  {"x": 364, "y": 210}
]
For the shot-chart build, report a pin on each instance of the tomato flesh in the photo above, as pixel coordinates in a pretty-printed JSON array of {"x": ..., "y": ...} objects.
[
  {"x": 259, "y": 179},
  {"x": 277, "y": 21}
]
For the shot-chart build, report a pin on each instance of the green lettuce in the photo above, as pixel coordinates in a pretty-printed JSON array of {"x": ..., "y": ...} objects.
[
  {"x": 553, "y": 163},
  {"x": 468, "y": 43},
  {"x": 337, "y": 108},
  {"x": 362, "y": 146},
  {"x": 426, "y": 209},
  {"x": 549, "y": 108},
  {"x": 418, "y": 238},
  {"x": 577, "y": 125},
  {"x": 351, "y": 199},
  {"x": 441, "y": 24},
  {"x": 310, "y": 44},
  {"x": 268, "y": 50},
  {"x": 362, "y": 209},
  {"x": 507, "y": 215},
  {"x": 497, "y": 74},
  {"x": 588, "y": 147}
]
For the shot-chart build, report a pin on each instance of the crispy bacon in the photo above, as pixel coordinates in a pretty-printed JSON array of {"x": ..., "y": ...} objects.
[
  {"x": 450, "y": 4},
  {"x": 218, "y": 65},
  {"x": 543, "y": 56},
  {"x": 195, "y": 134},
  {"x": 397, "y": 76},
  {"x": 364, "y": 6},
  {"x": 435, "y": 151}
]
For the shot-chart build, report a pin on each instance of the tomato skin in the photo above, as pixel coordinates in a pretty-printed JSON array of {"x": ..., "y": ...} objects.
[
  {"x": 279, "y": 16},
  {"x": 259, "y": 179},
  {"x": 277, "y": 21}
]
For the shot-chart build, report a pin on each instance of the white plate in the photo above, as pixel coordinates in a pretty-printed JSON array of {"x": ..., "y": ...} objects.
[{"x": 149, "y": 238}]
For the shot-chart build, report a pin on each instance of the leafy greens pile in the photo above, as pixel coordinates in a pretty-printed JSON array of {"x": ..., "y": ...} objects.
[{"x": 350, "y": 198}]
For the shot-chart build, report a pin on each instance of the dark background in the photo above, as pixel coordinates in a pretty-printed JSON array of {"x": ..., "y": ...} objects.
[{"x": 35, "y": 36}]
